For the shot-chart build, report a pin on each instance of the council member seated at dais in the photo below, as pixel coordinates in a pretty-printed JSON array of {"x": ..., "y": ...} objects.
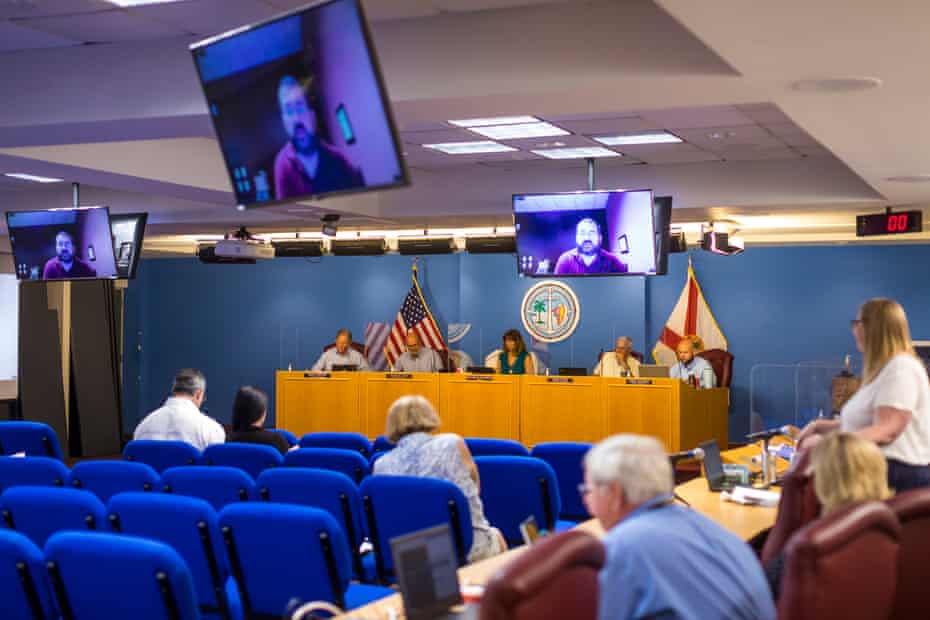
[
  {"x": 619, "y": 362},
  {"x": 690, "y": 365},
  {"x": 417, "y": 358},
  {"x": 341, "y": 355}
]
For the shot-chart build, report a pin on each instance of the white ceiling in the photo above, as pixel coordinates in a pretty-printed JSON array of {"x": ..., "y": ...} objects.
[{"x": 125, "y": 117}]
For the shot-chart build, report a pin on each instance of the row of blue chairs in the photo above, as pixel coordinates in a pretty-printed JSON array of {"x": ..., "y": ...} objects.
[{"x": 30, "y": 438}]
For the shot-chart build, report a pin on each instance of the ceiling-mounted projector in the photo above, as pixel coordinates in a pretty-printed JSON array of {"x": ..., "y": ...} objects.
[
  {"x": 238, "y": 247},
  {"x": 720, "y": 242}
]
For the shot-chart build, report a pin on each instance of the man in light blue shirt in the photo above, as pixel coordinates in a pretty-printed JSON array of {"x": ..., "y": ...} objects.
[
  {"x": 690, "y": 365},
  {"x": 664, "y": 560},
  {"x": 341, "y": 355},
  {"x": 417, "y": 358}
]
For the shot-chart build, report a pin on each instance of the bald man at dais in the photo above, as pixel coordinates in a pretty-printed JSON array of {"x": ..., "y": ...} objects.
[
  {"x": 691, "y": 365},
  {"x": 417, "y": 358}
]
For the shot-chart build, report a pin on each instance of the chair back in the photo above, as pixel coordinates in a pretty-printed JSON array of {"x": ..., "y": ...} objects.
[
  {"x": 107, "y": 478},
  {"x": 33, "y": 438},
  {"x": 556, "y": 578},
  {"x": 387, "y": 502},
  {"x": 189, "y": 526},
  {"x": 566, "y": 460},
  {"x": 25, "y": 592},
  {"x": 32, "y": 470},
  {"x": 218, "y": 485},
  {"x": 797, "y": 507},
  {"x": 289, "y": 437},
  {"x": 358, "y": 346},
  {"x": 479, "y": 446},
  {"x": 843, "y": 565},
  {"x": 722, "y": 363},
  {"x": 256, "y": 534},
  {"x": 515, "y": 487},
  {"x": 913, "y": 511},
  {"x": 347, "y": 462},
  {"x": 39, "y": 512},
  {"x": 95, "y": 574},
  {"x": 342, "y": 441},
  {"x": 249, "y": 457},
  {"x": 381, "y": 444},
  {"x": 160, "y": 455}
]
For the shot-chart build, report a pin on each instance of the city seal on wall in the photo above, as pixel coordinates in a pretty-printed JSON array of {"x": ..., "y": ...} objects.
[{"x": 550, "y": 311}]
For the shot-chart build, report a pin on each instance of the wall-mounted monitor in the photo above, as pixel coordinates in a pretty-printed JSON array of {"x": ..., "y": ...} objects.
[
  {"x": 585, "y": 233},
  {"x": 662, "y": 216},
  {"x": 62, "y": 244},
  {"x": 128, "y": 230},
  {"x": 299, "y": 106}
]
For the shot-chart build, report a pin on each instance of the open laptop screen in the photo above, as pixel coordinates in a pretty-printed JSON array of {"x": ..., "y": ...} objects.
[
  {"x": 425, "y": 564},
  {"x": 713, "y": 465}
]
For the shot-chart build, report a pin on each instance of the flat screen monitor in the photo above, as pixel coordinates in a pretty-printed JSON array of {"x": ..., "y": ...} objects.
[
  {"x": 62, "y": 244},
  {"x": 9, "y": 336},
  {"x": 662, "y": 216},
  {"x": 585, "y": 233},
  {"x": 127, "y": 229},
  {"x": 299, "y": 106}
]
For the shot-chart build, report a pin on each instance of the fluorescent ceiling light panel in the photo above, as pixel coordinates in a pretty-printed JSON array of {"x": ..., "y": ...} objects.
[
  {"x": 522, "y": 130},
  {"x": 127, "y": 3},
  {"x": 466, "y": 148},
  {"x": 576, "y": 153},
  {"x": 658, "y": 137},
  {"x": 31, "y": 177},
  {"x": 496, "y": 120}
]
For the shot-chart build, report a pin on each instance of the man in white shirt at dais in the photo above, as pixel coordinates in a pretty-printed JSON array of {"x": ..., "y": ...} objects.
[
  {"x": 180, "y": 418},
  {"x": 619, "y": 362}
]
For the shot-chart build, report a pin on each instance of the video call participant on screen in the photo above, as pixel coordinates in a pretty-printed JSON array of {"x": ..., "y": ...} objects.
[
  {"x": 306, "y": 164},
  {"x": 619, "y": 362},
  {"x": 588, "y": 256},
  {"x": 417, "y": 358},
  {"x": 66, "y": 264},
  {"x": 341, "y": 355},
  {"x": 690, "y": 365},
  {"x": 664, "y": 560},
  {"x": 180, "y": 418}
]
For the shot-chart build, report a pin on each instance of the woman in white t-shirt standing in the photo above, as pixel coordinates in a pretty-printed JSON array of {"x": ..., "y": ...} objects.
[{"x": 892, "y": 407}]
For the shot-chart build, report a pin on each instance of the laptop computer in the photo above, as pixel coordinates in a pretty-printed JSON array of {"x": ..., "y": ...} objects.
[
  {"x": 572, "y": 371},
  {"x": 426, "y": 568},
  {"x": 713, "y": 468},
  {"x": 653, "y": 371},
  {"x": 345, "y": 367}
]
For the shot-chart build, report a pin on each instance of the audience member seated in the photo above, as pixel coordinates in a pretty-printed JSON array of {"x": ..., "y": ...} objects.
[
  {"x": 180, "y": 418},
  {"x": 514, "y": 359},
  {"x": 664, "y": 560},
  {"x": 410, "y": 422},
  {"x": 847, "y": 469},
  {"x": 417, "y": 358},
  {"x": 619, "y": 362},
  {"x": 250, "y": 408},
  {"x": 341, "y": 355}
]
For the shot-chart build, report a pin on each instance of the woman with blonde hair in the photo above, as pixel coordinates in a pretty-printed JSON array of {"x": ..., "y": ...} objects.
[{"x": 892, "y": 406}]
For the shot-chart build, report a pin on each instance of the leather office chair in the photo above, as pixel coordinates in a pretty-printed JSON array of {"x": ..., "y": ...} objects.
[
  {"x": 722, "y": 363},
  {"x": 913, "y": 511},
  {"x": 797, "y": 507},
  {"x": 844, "y": 565},
  {"x": 358, "y": 346},
  {"x": 555, "y": 578}
]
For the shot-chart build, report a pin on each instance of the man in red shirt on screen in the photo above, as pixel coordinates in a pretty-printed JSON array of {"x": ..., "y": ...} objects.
[
  {"x": 307, "y": 165},
  {"x": 66, "y": 264},
  {"x": 588, "y": 256}
]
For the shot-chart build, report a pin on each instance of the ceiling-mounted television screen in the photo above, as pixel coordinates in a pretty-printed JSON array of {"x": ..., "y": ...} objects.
[
  {"x": 299, "y": 106},
  {"x": 62, "y": 244},
  {"x": 127, "y": 229},
  {"x": 585, "y": 233}
]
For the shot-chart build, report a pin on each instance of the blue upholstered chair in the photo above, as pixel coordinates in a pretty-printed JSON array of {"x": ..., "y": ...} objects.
[
  {"x": 250, "y": 458},
  {"x": 24, "y": 591},
  {"x": 217, "y": 485},
  {"x": 33, "y": 438},
  {"x": 290, "y": 437},
  {"x": 343, "y": 441},
  {"x": 397, "y": 505},
  {"x": 39, "y": 512},
  {"x": 381, "y": 444},
  {"x": 107, "y": 478},
  {"x": 515, "y": 487},
  {"x": 32, "y": 470},
  {"x": 282, "y": 552},
  {"x": 160, "y": 455},
  {"x": 97, "y": 575},
  {"x": 566, "y": 459},
  {"x": 189, "y": 526},
  {"x": 348, "y": 462},
  {"x": 495, "y": 447}
]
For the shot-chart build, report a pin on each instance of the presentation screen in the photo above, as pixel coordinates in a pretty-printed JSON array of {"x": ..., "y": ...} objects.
[
  {"x": 585, "y": 233},
  {"x": 299, "y": 106},
  {"x": 9, "y": 335},
  {"x": 62, "y": 244},
  {"x": 127, "y": 230}
]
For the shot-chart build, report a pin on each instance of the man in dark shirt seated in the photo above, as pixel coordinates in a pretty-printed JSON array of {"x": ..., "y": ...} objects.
[
  {"x": 66, "y": 264},
  {"x": 588, "y": 256},
  {"x": 250, "y": 408}
]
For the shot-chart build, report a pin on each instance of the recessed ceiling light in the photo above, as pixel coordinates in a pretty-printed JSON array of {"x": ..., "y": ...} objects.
[
  {"x": 31, "y": 177},
  {"x": 465, "y": 148},
  {"x": 523, "y": 130},
  {"x": 846, "y": 84},
  {"x": 127, "y": 3},
  {"x": 576, "y": 153},
  {"x": 653, "y": 137},
  {"x": 910, "y": 178},
  {"x": 721, "y": 135},
  {"x": 496, "y": 120}
]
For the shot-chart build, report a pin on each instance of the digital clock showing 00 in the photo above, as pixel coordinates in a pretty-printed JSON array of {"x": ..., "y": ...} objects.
[{"x": 889, "y": 223}]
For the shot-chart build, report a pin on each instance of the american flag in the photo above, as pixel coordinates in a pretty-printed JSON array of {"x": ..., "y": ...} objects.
[
  {"x": 413, "y": 315},
  {"x": 376, "y": 335}
]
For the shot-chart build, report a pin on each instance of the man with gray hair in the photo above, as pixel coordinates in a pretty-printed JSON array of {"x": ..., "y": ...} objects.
[
  {"x": 664, "y": 560},
  {"x": 619, "y": 362},
  {"x": 180, "y": 418}
]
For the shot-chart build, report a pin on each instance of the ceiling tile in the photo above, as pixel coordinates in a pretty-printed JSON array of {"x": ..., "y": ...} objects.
[
  {"x": 106, "y": 26},
  {"x": 814, "y": 151},
  {"x": 792, "y": 135},
  {"x": 673, "y": 157},
  {"x": 13, "y": 38},
  {"x": 550, "y": 142},
  {"x": 11, "y": 9},
  {"x": 732, "y": 137},
  {"x": 764, "y": 113},
  {"x": 206, "y": 17},
  {"x": 384, "y": 10},
  {"x": 440, "y": 136},
  {"x": 688, "y": 118},
  {"x": 485, "y": 5},
  {"x": 761, "y": 154},
  {"x": 609, "y": 126}
]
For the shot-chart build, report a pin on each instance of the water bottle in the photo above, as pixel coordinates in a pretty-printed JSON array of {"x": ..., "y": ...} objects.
[{"x": 707, "y": 377}]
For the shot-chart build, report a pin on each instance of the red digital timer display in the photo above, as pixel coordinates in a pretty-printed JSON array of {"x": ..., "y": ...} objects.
[{"x": 889, "y": 223}]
